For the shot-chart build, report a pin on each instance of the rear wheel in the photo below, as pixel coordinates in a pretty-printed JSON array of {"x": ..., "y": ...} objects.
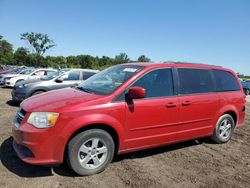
[
  {"x": 224, "y": 129},
  {"x": 90, "y": 152},
  {"x": 247, "y": 92}
]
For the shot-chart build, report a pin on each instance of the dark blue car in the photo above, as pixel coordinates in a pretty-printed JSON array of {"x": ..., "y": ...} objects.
[{"x": 246, "y": 87}]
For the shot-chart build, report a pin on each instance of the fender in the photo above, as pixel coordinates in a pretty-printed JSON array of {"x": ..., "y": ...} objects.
[
  {"x": 37, "y": 89},
  {"x": 225, "y": 109},
  {"x": 86, "y": 120}
]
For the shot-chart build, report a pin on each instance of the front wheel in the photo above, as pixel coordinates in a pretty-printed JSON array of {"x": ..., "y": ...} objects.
[
  {"x": 224, "y": 129},
  {"x": 37, "y": 92},
  {"x": 90, "y": 152},
  {"x": 18, "y": 81}
]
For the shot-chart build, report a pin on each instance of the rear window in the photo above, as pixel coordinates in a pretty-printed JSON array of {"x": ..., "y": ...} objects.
[
  {"x": 225, "y": 81},
  {"x": 195, "y": 81}
]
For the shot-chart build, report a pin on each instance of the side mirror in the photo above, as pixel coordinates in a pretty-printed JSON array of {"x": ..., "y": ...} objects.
[
  {"x": 59, "y": 80},
  {"x": 136, "y": 93}
]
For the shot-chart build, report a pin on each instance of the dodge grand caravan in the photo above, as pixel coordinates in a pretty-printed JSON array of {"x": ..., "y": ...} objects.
[{"x": 126, "y": 108}]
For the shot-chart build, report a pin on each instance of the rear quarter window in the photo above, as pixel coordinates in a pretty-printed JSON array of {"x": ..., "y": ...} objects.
[
  {"x": 86, "y": 75},
  {"x": 225, "y": 81},
  {"x": 73, "y": 75}
]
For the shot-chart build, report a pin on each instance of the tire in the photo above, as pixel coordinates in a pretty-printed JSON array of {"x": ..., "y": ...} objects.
[
  {"x": 90, "y": 152},
  {"x": 37, "y": 92},
  {"x": 226, "y": 125},
  {"x": 247, "y": 92}
]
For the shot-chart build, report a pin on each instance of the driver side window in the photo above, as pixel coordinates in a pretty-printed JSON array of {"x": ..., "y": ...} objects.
[
  {"x": 157, "y": 83},
  {"x": 39, "y": 73}
]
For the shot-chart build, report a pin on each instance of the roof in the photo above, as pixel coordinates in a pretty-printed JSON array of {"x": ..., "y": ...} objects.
[
  {"x": 174, "y": 64},
  {"x": 87, "y": 70}
]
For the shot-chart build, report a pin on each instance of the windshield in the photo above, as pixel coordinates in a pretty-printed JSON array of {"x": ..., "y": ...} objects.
[
  {"x": 26, "y": 71},
  {"x": 108, "y": 80}
]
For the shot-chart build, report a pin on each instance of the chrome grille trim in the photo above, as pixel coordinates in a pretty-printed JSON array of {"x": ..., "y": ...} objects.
[{"x": 19, "y": 117}]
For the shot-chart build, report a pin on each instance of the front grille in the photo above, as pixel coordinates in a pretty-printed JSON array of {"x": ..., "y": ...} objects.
[{"x": 20, "y": 116}]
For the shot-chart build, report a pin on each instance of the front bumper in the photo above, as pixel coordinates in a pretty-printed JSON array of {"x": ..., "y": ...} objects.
[
  {"x": 36, "y": 146},
  {"x": 18, "y": 96},
  {"x": 1, "y": 81},
  {"x": 8, "y": 83}
]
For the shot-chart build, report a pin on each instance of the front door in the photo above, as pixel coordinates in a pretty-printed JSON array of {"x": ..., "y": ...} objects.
[{"x": 152, "y": 120}]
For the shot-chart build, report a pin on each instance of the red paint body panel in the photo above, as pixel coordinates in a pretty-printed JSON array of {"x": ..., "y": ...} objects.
[
  {"x": 142, "y": 131},
  {"x": 196, "y": 117},
  {"x": 139, "y": 123}
]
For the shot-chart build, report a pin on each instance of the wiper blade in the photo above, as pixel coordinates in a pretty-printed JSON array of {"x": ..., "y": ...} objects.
[{"x": 87, "y": 90}]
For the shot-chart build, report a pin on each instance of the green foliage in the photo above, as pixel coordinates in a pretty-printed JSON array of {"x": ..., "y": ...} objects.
[
  {"x": 143, "y": 58},
  {"x": 121, "y": 58},
  {"x": 40, "y": 42},
  {"x": 242, "y": 76},
  {"x": 21, "y": 56},
  {"x": 6, "y": 51}
]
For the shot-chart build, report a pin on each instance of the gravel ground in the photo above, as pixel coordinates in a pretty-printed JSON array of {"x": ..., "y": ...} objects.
[{"x": 196, "y": 163}]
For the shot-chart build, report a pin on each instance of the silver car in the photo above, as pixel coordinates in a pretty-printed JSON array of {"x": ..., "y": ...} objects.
[{"x": 25, "y": 89}]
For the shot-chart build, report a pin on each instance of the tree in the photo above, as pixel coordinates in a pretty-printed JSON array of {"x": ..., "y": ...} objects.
[
  {"x": 21, "y": 56},
  {"x": 39, "y": 41},
  {"x": 85, "y": 61},
  {"x": 143, "y": 58},
  {"x": 56, "y": 62},
  {"x": 121, "y": 58},
  {"x": 72, "y": 62},
  {"x": 6, "y": 51}
]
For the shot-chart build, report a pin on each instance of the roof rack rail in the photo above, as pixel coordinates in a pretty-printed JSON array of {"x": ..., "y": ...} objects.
[{"x": 179, "y": 62}]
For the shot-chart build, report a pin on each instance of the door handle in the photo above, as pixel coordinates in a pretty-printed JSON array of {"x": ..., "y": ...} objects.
[
  {"x": 170, "y": 105},
  {"x": 186, "y": 103}
]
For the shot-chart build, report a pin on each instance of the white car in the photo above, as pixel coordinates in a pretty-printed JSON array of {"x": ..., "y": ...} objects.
[
  {"x": 26, "y": 75},
  {"x": 9, "y": 75}
]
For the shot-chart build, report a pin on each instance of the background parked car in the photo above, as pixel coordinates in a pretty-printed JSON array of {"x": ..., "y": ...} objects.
[
  {"x": 246, "y": 87},
  {"x": 25, "y": 89},
  {"x": 28, "y": 74},
  {"x": 1, "y": 68},
  {"x": 12, "y": 73}
]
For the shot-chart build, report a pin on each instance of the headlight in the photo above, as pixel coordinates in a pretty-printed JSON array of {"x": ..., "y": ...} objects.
[
  {"x": 25, "y": 85},
  {"x": 43, "y": 119},
  {"x": 28, "y": 84}
]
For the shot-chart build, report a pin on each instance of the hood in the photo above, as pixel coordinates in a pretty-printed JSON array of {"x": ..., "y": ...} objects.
[
  {"x": 5, "y": 72},
  {"x": 27, "y": 82},
  {"x": 10, "y": 75},
  {"x": 58, "y": 100}
]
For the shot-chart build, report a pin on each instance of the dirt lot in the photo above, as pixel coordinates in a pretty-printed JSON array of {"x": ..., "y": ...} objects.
[{"x": 197, "y": 163}]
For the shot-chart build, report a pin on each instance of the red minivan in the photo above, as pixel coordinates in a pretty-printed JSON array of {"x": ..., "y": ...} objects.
[{"x": 126, "y": 108}]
